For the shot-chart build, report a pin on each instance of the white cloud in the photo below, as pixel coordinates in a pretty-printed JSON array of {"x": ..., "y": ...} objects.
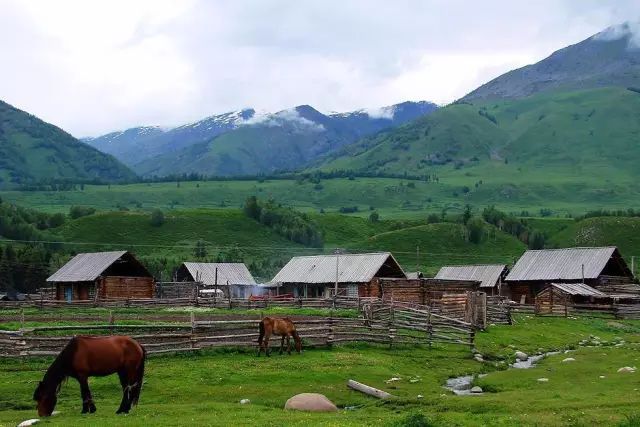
[
  {"x": 380, "y": 112},
  {"x": 626, "y": 29},
  {"x": 290, "y": 117},
  {"x": 92, "y": 67}
]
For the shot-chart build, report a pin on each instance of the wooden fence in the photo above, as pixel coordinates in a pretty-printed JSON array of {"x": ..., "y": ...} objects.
[
  {"x": 389, "y": 326},
  {"x": 195, "y": 301}
]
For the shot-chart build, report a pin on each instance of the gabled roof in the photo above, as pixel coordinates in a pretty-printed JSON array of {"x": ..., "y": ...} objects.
[
  {"x": 562, "y": 264},
  {"x": 578, "y": 289},
  {"x": 352, "y": 268},
  {"x": 233, "y": 273},
  {"x": 487, "y": 275},
  {"x": 85, "y": 267}
]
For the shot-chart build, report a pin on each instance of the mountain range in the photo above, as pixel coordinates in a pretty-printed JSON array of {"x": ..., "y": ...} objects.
[
  {"x": 248, "y": 142},
  {"x": 33, "y": 151},
  {"x": 570, "y": 117}
]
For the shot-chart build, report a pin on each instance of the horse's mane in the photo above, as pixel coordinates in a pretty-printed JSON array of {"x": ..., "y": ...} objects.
[{"x": 58, "y": 371}]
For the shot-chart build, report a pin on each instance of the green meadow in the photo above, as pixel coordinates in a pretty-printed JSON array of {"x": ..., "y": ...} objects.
[{"x": 206, "y": 388}]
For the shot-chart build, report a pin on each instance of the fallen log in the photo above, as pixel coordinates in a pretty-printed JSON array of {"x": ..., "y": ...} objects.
[{"x": 363, "y": 388}]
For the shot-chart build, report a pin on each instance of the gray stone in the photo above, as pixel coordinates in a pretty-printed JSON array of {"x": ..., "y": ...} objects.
[
  {"x": 627, "y": 369},
  {"x": 476, "y": 389},
  {"x": 569, "y": 359},
  {"x": 313, "y": 402},
  {"x": 521, "y": 356},
  {"x": 543, "y": 380}
]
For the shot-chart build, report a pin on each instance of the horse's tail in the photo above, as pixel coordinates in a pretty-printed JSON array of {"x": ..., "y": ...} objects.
[
  {"x": 135, "y": 391},
  {"x": 261, "y": 336}
]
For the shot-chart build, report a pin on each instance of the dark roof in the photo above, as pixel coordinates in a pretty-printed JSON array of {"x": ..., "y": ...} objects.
[
  {"x": 85, "y": 267},
  {"x": 488, "y": 275},
  {"x": 561, "y": 264}
]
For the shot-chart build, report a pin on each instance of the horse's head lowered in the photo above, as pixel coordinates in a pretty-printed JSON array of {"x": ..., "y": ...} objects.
[
  {"x": 298, "y": 342},
  {"x": 46, "y": 396}
]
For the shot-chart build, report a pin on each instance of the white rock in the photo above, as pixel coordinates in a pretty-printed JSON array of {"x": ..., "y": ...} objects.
[
  {"x": 390, "y": 380},
  {"x": 569, "y": 359},
  {"x": 521, "y": 356},
  {"x": 543, "y": 380},
  {"x": 419, "y": 396},
  {"x": 414, "y": 380},
  {"x": 602, "y": 377},
  {"x": 244, "y": 401},
  {"x": 627, "y": 369},
  {"x": 476, "y": 389},
  {"x": 30, "y": 422}
]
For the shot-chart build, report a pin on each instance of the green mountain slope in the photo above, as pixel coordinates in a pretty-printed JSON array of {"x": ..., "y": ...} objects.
[
  {"x": 573, "y": 136},
  {"x": 623, "y": 232},
  {"x": 33, "y": 151}
]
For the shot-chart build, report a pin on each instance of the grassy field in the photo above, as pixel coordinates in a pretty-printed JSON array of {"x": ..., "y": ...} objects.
[
  {"x": 206, "y": 388},
  {"x": 508, "y": 188},
  {"x": 223, "y": 229}
]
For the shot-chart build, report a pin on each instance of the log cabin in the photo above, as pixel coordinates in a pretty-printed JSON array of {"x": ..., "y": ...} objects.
[
  {"x": 356, "y": 274},
  {"x": 117, "y": 275},
  {"x": 232, "y": 278},
  {"x": 490, "y": 276},
  {"x": 601, "y": 268}
]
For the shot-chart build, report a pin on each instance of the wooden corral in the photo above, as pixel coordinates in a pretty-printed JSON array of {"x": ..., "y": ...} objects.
[{"x": 102, "y": 275}]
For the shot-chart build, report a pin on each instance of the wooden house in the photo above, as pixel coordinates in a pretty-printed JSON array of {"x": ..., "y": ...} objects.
[
  {"x": 600, "y": 268},
  {"x": 356, "y": 274},
  {"x": 233, "y": 279},
  {"x": 490, "y": 276},
  {"x": 559, "y": 298},
  {"x": 104, "y": 275}
]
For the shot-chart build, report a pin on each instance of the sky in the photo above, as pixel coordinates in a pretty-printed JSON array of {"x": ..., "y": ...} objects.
[{"x": 95, "y": 66}]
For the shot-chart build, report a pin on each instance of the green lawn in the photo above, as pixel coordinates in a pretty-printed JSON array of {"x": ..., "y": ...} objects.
[{"x": 205, "y": 389}]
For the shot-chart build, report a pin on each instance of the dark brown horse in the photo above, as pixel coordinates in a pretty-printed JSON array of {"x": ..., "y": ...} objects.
[
  {"x": 85, "y": 357},
  {"x": 278, "y": 326}
]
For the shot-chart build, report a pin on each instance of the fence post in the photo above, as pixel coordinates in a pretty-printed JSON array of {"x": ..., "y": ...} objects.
[
  {"x": 111, "y": 322},
  {"x": 330, "y": 336},
  {"x": 429, "y": 328},
  {"x": 22, "y": 318},
  {"x": 193, "y": 328}
]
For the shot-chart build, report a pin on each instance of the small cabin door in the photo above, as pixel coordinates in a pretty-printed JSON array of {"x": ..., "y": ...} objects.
[{"x": 68, "y": 293}]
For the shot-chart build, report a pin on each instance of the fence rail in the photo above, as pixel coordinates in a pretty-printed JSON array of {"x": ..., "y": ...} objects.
[{"x": 387, "y": 325}]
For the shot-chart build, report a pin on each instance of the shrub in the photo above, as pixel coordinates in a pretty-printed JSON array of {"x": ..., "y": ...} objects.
[
  {"x": 374, "y": 217},
  {"x": 475, "y": 227},
  {"x": 79, "y": 211},
  {"x": 157, "y": 218}
]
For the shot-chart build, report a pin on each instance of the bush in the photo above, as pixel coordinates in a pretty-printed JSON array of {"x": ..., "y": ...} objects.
[
  {"x": 415, "y": 420},
  {"x": 79, "y": 211},
  {"x": 433, "y": 219},
  {"x": 475, "y": 227},
  {"x": 157, "y": 218},
  {"x": 374, "y": 217},
  {"x": 56, "y": 220}
]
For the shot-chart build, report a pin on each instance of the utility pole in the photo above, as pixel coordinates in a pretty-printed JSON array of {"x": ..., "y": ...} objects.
[
  {"x": 633, "y": 266},
  {"x": 337, "y": 252}
]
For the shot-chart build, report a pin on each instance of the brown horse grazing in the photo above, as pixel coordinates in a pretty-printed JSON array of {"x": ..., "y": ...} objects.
[
  {"x": 283, "y": 327},
  {"x": 85, "y": 357}
]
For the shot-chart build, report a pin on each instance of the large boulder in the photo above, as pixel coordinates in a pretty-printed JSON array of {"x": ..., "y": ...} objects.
[
  {"x": 313, "y": 402},
  {"x": 521, "y": 356}
]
